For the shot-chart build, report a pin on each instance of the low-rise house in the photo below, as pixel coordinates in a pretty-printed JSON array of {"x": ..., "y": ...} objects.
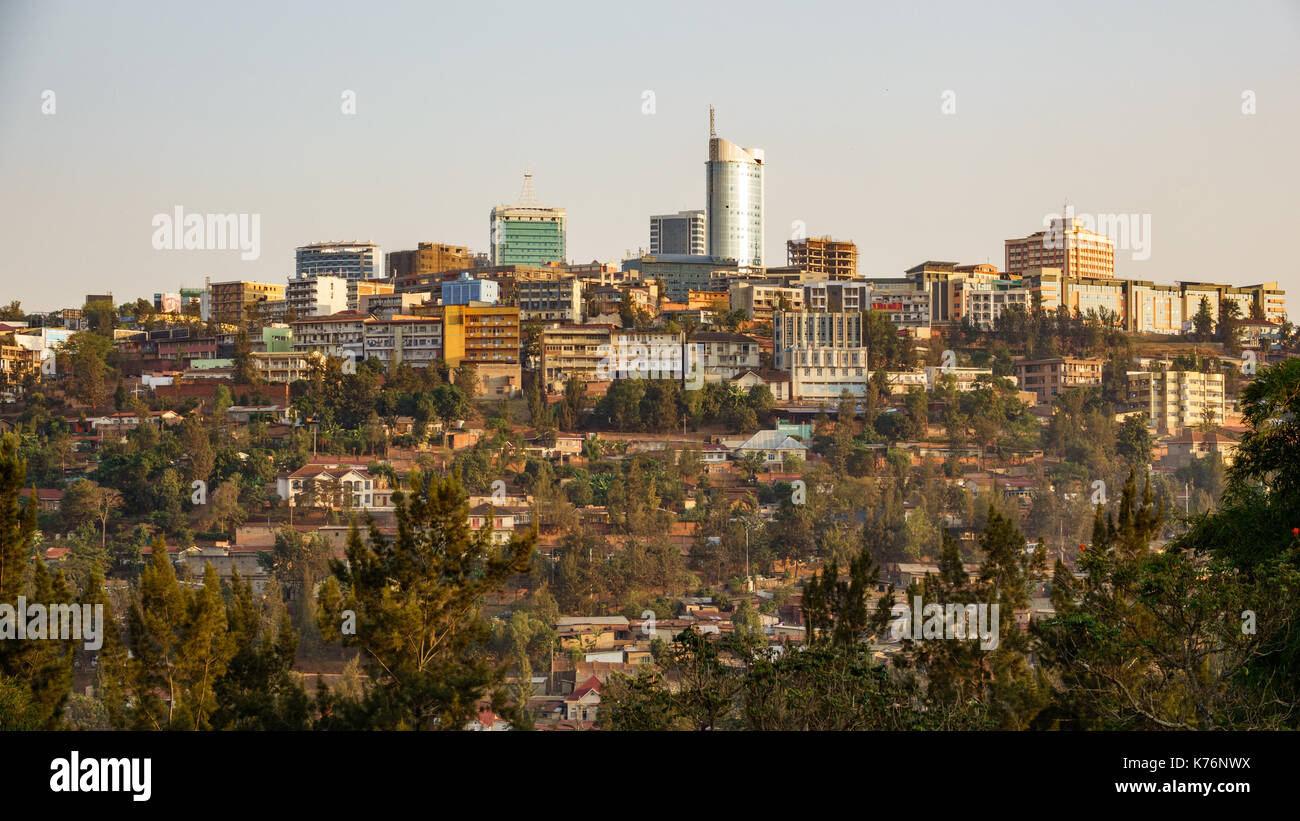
[
  {"x": 1192, "y": 444},
  {"x": 336, "y": 487},
  {"x": 583, "y": 704},
  {"x": 47, "y": 499},
  {"x": 778, "y": 382},
  {"x": 498, "y": 521},
  {"x": 773, "y": 444}
]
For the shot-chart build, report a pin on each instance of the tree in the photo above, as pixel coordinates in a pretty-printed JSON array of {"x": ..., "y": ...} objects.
[
  {"x": 1203, "y": 321},
  {"x": 86, "y": 354},
  {"x": 224, "y": 509},
  {"x": 466, "y": 379},
  {"x": 837, "y": 611},
  {"x": 35, "y": 676},
  {"x": 104, "y": 502},
  {"x": 416, "y": 603},
  {"x": 1133, "y": 440},
  {"x": 180, "y": 648}
]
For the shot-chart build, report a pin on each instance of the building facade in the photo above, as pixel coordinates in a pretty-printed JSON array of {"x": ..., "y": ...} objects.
[
  {"x": 527, "y": 233},
  {"x": 575, "y": 350},
  {"x": 1176, "y": 400},
  {"x": 415, "y": 340},
  {"x": 734, "y": 185},
  {"x": 823, "y": 352},
  {"x": 1048, "y": 378},
  {"x": 348, "y": 260},
  {"x": 685, "y": 232},
  {"x": 316, "y": 295},
  {"x": 550, "y": 300},
  {"x": 1066, "y": 245},
  {"x": 823, "y": 257},
  {"x": 232, "y": 303}
]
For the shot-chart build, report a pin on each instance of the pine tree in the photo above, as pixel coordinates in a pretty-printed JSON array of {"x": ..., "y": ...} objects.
[{"x": 415, "y": 600}]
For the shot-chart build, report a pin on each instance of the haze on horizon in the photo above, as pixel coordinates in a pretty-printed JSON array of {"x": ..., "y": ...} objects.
[{"x": 235, "y": 108}]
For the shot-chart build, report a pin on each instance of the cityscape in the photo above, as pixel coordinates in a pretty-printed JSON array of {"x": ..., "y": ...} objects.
[{"x": 477, "y": 481}]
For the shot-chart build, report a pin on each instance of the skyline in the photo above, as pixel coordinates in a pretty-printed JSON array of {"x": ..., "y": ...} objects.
[{"x": 248, "y": 120}]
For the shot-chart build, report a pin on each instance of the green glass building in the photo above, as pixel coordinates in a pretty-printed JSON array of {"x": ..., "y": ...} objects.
[{"x": 527, "y": 233}]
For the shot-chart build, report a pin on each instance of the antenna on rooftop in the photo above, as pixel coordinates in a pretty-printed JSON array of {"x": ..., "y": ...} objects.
[
  {"x": 712, "y": 131},
  {"x": 528, "y": 196}
]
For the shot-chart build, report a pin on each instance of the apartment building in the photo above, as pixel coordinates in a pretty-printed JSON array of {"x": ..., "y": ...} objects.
[
  {"x": 357, "y": 288},
  {"x": 836, "y": 297},
  {"x": 1066, "y": 245},
  {"x": 823, "y": 352},
  {"x": 1176, "y": 400},
  {"x": 575, "y": 350},
  {"x": 405, "y": 267},
  {"x": 341, "y": 334},
  {"x": 282, "y": 367},
  {"x": 983, "y": 303},
  {"x": 722, "y": 355},
  {"x": 552, "y": 300},
  {"x": 231, "y": 303},
  {"x": 646, "y": 354},
  {"x": 316, "y": 296},
  {"x": 16, "y": 362},
  {"x": 384, "y": 306},
  {"x": 966, "y": 378},
  {"x": 1048, "y": 378},
  {"x": 905, "y": 301},
  {"x": 823, "y": 257},
  {"x": 415, "y": 340},
  {"x": 480, "y": 334},
  {"x": 759, "y": 299}
]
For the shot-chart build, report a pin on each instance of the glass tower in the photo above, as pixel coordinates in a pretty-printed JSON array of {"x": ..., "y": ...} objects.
[
  {"x": 735, "y": 201},
  {"x": 527, "y": 233}
]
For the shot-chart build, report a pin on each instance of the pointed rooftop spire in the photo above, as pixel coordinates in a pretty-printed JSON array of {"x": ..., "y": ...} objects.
[{"x": 528, "y": 196}]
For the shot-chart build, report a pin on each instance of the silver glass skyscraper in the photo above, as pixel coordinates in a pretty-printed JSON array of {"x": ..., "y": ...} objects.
[{"x": 735, "y": 200}]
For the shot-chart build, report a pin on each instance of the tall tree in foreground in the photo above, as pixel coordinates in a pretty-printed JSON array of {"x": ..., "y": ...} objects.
[
  {"x": 35, "y": 675},
  {"x": 412, "y": 605}
]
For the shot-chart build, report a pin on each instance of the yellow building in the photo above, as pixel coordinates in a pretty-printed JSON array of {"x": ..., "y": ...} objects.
[
  {"x": 231, "y": 301},
  {"x": 487, "y": 337}
]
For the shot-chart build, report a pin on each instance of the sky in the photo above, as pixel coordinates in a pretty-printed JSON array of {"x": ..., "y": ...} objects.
[{"x": 921, "y": 130}]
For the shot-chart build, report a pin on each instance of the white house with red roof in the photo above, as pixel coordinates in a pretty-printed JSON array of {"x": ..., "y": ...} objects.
[
  {"x": 583, "y": 704},
  {"x": 353, "y": 480}
]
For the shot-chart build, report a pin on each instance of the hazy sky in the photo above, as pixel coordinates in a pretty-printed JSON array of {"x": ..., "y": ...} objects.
[{"x": 1132, "y": 108}]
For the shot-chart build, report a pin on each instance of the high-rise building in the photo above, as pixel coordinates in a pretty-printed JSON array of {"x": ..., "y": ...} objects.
[
  {"x": 527, "y": 233},
  {"x": 735, "y": 200},
  {"x": 349, "y": 260},
  {"x": 827, "y": 258},
  {"x": 685, "y": 232},
  {"x": 1067, "y": 245}
]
